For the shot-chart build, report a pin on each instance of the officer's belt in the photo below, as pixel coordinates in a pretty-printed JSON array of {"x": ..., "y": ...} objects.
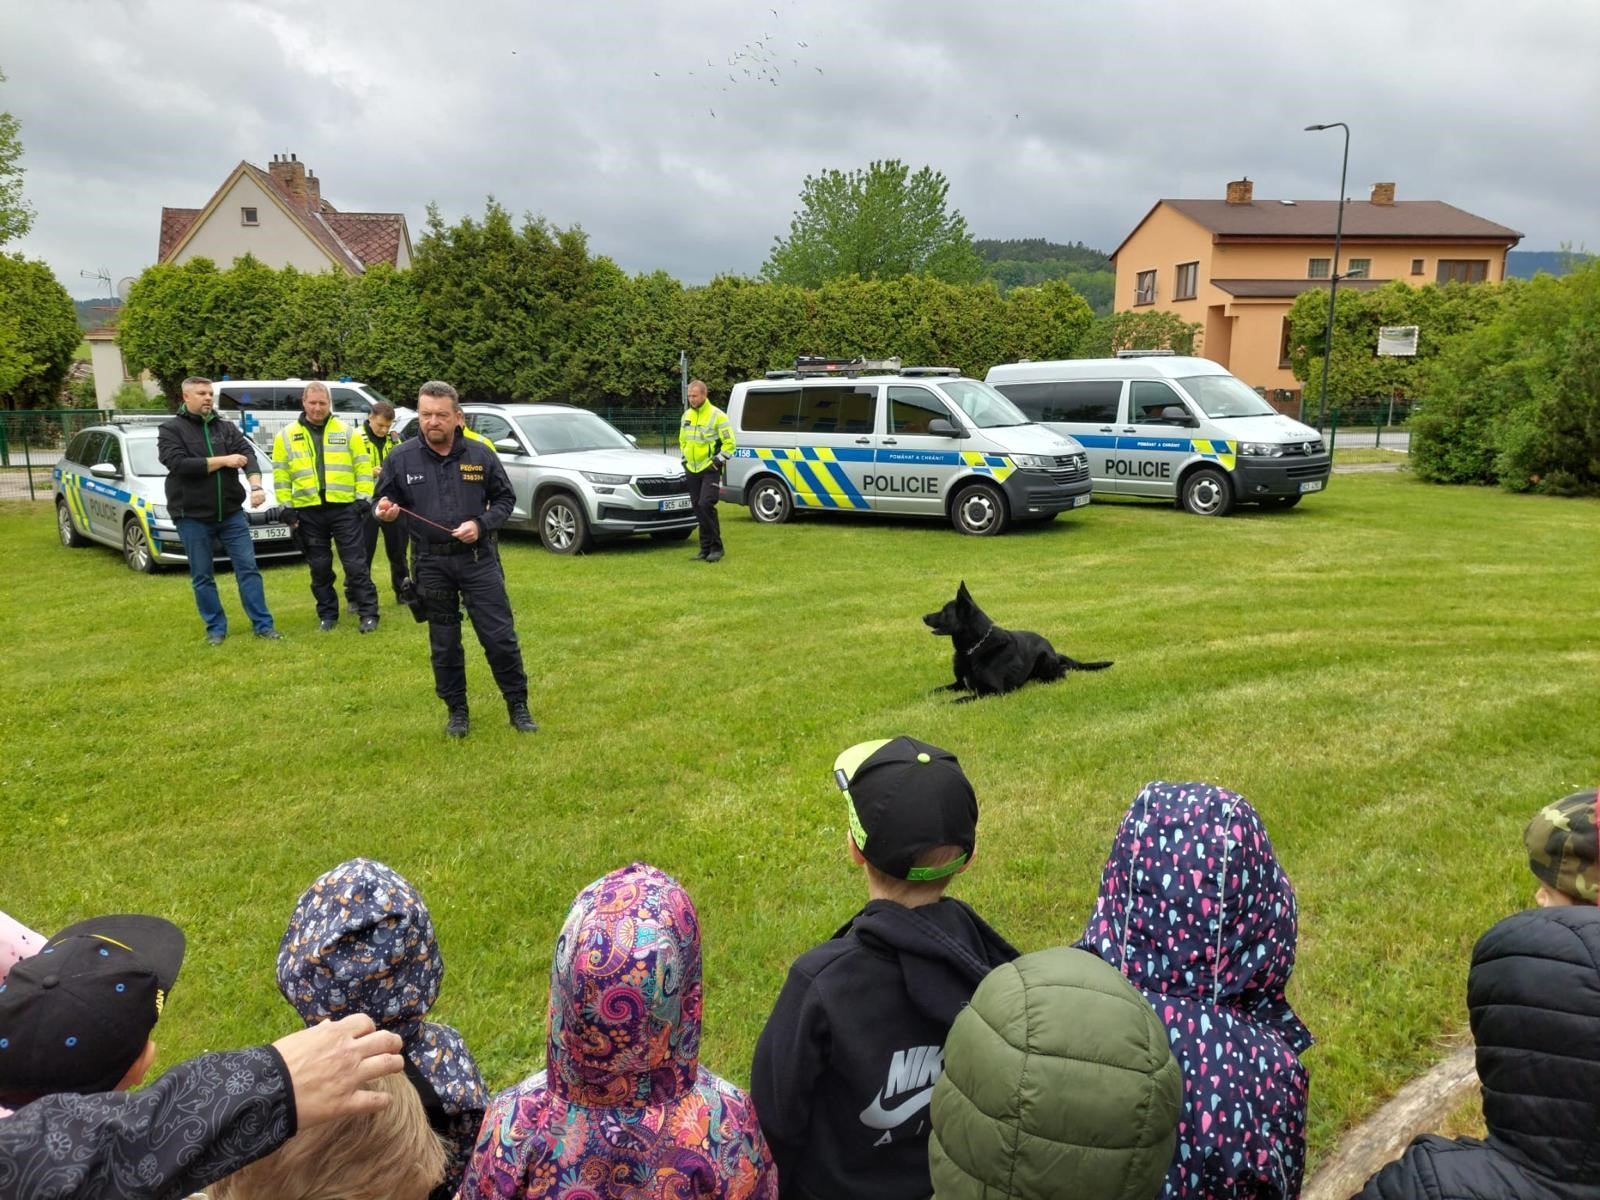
[{"x": 439, "y": 549}]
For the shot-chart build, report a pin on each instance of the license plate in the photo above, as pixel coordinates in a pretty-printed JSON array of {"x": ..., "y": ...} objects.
[
  {"x": 269, "y": 533},
  {"x": 675, "y": 504},
  {"x": 1311, "y": 485},
  {"x": 1080, "y": 501}
]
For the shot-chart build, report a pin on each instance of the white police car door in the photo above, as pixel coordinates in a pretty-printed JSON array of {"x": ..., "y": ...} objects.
[
  {"x": 1150, "y": 447},
  {"x": 913, "y": 466},
  {"x": 103, "y": 498}
]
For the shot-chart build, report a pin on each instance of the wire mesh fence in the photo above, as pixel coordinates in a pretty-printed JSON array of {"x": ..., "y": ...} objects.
[{"x": 30, "y": 443}]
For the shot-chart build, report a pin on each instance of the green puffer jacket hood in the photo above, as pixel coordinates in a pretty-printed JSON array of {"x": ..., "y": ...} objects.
[{"x": 1057, "y": 1083}]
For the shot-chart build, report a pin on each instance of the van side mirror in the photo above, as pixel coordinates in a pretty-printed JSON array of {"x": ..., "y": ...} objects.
[
  {"x": 632, "y": 438},
  {"x": 105, "y": 471},
  {"x": 940, "y": 427},
  {"x": 1176, "y": 414}
]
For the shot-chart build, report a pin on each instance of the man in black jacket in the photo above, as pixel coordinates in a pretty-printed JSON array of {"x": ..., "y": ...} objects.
[
  {"x": 1533, "y": 995},
  {"x": 845, "y": 1067},
  {"x": 457, "y": 495},
  {"x": 203, "y": 455}
]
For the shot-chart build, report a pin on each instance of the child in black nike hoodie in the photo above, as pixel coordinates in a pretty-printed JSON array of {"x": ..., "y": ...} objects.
[{"x": 845, "y": 1067}]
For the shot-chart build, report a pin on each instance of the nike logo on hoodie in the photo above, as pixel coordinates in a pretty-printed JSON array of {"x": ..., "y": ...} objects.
[{"x": 916, "y": 1067}]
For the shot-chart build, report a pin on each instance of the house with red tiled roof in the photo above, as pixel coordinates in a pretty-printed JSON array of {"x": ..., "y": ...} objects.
[
  {"x": 1235, "y": 265},
  {"x": 279, "y": 216}
]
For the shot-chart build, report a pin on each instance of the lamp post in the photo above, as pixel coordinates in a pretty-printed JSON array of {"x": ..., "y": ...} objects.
[{"x": 1333, "y": 279}]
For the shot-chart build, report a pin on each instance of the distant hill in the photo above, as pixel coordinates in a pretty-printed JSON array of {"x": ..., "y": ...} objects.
[
  {"x": 1028, "y": 262},
  {"x": 1038, "y": 250},
  {"x": 1525, "y": 264},
  {"x": 94, "y": 313}
]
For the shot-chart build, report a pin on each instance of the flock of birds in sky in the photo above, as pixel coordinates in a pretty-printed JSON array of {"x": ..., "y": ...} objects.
[{"x": 759, "y": 61}]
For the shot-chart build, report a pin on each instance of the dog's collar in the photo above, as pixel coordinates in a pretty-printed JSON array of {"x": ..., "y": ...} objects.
[{"x": 983, "y": 639}]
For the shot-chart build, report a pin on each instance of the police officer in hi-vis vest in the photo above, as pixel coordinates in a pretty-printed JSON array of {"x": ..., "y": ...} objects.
[
  {"x": 327, "y": 479},
  {"x": 705, "y": 439},
  {"x": 376, "y": 437},
  {"x": 456, "y": 495}
]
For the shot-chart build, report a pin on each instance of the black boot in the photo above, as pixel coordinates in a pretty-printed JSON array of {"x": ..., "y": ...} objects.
[
  {"x": 458, "y": 723},
  {"x": 521, "y": 719}
]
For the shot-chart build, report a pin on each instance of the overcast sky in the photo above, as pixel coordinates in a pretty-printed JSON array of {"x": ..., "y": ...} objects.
[{"x": 637, "y": 120}]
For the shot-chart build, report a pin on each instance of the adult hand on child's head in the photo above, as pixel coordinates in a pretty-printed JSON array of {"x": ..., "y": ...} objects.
[{"x": 330, "y": 1061}]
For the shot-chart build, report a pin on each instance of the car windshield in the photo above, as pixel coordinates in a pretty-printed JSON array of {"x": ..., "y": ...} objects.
[
  {"x": 984, "y": 407},
  {"x": 1221, "y": 396},
  {"x": 142, "y": 458},
  {"x": 375, "y": 394},
  {"x": 566, "y": 432}
]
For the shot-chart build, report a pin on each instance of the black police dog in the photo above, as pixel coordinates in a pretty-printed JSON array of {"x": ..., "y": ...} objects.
[{"x": 991, "y": 661}]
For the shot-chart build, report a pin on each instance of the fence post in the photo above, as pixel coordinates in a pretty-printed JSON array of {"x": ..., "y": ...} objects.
[
  {"x": 5, "y": 448},
  {"x": 1333, "y": 429},
  {"x": 27, "y": 460}
]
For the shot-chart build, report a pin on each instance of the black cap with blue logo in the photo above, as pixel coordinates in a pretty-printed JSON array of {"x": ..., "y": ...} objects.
[{"x": 77, "y": 1015}]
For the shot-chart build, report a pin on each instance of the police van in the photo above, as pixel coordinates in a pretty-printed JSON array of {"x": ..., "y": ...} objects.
[
  {"x": 264, "y": 406},
  {"x": 1173, "y": 427},
  {"x": 857, "y": 435}
]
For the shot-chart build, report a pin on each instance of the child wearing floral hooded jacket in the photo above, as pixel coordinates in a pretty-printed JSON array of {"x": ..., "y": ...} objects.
[
  {"x": 623, "y": 1107},
  {"x": 361, "y": 941},
  {"x": 1197, "y": 914}
]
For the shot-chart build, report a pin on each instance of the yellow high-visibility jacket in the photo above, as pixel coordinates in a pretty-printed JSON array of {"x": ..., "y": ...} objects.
[
  {"x": 346, "y": 466},
  {"x": 377, "y": 450},
  {"x": 702, "y": 434}
]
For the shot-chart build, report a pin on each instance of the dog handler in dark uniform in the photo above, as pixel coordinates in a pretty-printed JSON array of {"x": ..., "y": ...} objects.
[{"x": 459, "y": 495}]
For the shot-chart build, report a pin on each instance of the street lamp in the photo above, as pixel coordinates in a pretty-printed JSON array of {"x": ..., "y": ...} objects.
[{"x": 1333, "y": 281}]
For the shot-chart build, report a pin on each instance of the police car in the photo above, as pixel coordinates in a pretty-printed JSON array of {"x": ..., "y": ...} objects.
[
  {"x": 111, "y": 488},
  {"x": 858, "y": 435},
  {"x": 578, "y": 479},
  {"x": 264, "y": 406}
]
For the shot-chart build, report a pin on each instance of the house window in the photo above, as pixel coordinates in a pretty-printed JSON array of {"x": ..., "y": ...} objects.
[
  {"x": 1416, "y": 266},
  {"x": 1188, "y": 278},
  {"x": 1463, "y": 270},
  {"x": 1317, "y": 268},
  {"x": 1145, "y": 288},
  {"x": 247, "y": 216},
  {"x": 1358, "y": 268},
  {"x": 1283, "y": 346}
]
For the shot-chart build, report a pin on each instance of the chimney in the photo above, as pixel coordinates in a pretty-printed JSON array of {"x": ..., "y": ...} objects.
[
  {"x": 1383, "y": 193},
  {"x": 289, "y": 173},
  {"x": 313, "y": 192},
  {"x": 1240, "y": 191}
]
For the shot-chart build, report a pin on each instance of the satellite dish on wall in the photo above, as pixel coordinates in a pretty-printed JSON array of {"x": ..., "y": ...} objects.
[{"x": 124, "y": 286}]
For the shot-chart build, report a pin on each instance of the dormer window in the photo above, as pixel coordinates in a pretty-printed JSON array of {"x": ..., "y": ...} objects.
[{"x": 247, "y": 216}]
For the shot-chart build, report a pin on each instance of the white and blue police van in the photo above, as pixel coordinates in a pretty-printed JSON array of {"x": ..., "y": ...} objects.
[
  {"x": 856, "y": 435},
  {"x": 264, "y": 406},
  {"x": 1171, "y": 427}
]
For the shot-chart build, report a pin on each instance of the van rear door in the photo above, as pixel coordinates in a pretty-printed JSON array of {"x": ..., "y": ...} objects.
[{"x": 1086, "y": 409}]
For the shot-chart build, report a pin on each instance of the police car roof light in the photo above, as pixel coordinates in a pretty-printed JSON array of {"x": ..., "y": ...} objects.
[
  {"x": 1144, "y": 353},
  {"x": 812, "y": 364},
  {"x": 139, "y": 418},
  {"x": 923, "y": 372}
]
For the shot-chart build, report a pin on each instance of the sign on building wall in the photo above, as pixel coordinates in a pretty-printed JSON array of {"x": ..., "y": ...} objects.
[{"x": 1397, "y": 340}]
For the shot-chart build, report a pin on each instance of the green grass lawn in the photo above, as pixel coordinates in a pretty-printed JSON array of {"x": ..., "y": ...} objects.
[{"x": 1397, "y": 675}]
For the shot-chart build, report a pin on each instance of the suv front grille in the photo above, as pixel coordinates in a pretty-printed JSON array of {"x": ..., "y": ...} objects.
[
  {"x": 659, "y": 485},
  {"x": 1070, "y": 468}
]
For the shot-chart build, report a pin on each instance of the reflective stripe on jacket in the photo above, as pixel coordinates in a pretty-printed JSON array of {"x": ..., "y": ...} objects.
[
  {"x": 703, "y": 432},
  {"x": 377, "y": 449},
  {"x": 472, "y": 435},
  {"x": 346, "y": 466}
]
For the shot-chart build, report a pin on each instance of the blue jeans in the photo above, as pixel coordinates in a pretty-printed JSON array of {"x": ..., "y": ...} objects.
[{"x": 234, "y": 533}]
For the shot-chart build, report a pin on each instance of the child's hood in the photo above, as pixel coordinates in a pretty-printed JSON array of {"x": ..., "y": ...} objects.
[
  {"x": 1194, "y": 904},
  {"x": 625, "y": 993},
  {"x": 944, "y": 949},
  {"x": 361, "y": 940}
]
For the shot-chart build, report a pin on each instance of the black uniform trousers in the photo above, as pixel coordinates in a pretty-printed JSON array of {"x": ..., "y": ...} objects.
[
  {"x": 322, "y": 527},
  {"x": 703, "y": 487},
  {"x": 469, "y": 574},
  {"x": 394, "y": 548}
]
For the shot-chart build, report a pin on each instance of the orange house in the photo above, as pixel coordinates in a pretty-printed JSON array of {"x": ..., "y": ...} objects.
[{"x": 1236, "y": 265}]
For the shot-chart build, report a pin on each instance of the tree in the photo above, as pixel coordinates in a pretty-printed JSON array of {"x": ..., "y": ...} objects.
[
  {"x": 38, "y": 333},
  {"x": 16, "y": 215},
  {"x": 1149, "y": 329},
  {"x": 880, "y": 223}
]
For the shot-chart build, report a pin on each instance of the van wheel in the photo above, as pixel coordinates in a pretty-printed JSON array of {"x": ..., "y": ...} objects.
[
  {"x": 980, "y": 510},
  {"x": 563, "y": 528},
  {"x": 68, "y": 532},
  {"x": 1206, "y": 493},
  {"x": 1280, "y": 501},
  {"x": 136, "y": 548},
  {"x": 770, "y": 502}
]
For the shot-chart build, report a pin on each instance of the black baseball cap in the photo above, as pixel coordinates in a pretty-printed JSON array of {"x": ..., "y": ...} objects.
[
  {"x": 76, "y": 1016},
  {"x": 904, "y": 798}
]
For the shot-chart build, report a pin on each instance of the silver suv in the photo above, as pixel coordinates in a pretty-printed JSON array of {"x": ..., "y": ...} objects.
[
  {"x": 578, "y": 479},
  {"x": 110, "y": 487}
]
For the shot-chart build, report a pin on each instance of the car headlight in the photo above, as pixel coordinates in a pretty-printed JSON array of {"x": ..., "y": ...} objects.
[
  {"x": 160, "y": 511},
  {"x": 1032, "y": 462},
  {"x": 1261, "y": 449},
  {"x": 602, "y": 477}
]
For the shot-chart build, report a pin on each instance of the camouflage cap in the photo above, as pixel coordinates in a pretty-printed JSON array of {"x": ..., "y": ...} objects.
[{"x": 1561, "y": 847}]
